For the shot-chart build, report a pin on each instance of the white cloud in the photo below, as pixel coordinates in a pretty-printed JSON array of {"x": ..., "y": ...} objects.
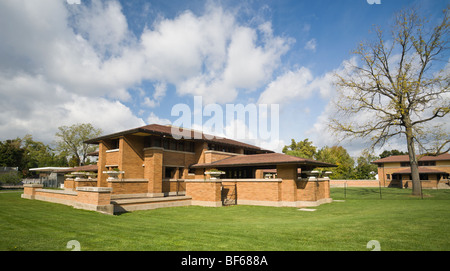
[
  {"x": 152, "y": 118},
  {"x": 62, "y": 64},
  {"x": 211, "y": 55},
  {"x": 103, "y": 25},
  {"x": 311, "y": 45},
  {"x": 292, "y": 84},
  {"x": 36, "y": 106}
]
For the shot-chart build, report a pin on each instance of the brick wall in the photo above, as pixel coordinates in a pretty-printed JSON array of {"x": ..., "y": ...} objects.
[
  {"x": 313, "y": 190},
  {"x": 205, "y": 193},
  {"x": 355, "y": 183},
  {"x": 129, "y": 186},
  {"x": 131, "y": 157},
  {"x": 256, "y": 189},
  {"x": 89, "y": 198}
]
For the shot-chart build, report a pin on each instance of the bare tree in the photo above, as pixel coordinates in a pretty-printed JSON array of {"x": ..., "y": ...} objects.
[{"x": 401, "y": 88}]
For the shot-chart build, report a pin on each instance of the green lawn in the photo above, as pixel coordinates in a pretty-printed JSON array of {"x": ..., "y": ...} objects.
[{"x": 398, "y": 222}]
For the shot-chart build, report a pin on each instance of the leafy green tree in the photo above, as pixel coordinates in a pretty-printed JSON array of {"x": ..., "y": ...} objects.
[
  {"x": 303, "y": 149},
  {"x": 387, "y": 153},
  {"x": 12, "y": 177},
  {"x": 365, "y": 169},
  {"x": 70, "y": 140},
  {"x": 12, "y": 154},
  {"x": 26, "y": 153},
  {"x": 339, "y": 156},
  {"x": 37, "y": 154}
]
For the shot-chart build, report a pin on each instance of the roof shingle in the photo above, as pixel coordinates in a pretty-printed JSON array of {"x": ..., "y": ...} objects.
[
  {"x": 166, "y": 130},
  {"x": 405, "y": 158}
]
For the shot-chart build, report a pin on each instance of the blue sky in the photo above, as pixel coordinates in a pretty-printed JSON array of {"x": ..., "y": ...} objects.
[{"x": 123, "y": 64}]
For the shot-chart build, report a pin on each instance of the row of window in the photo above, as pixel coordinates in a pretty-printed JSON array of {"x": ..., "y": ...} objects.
[
  {"x": 421, "y": 163},
  {"x": 170, "y": 144},
  {"x": 180, "y": 145},
  {"x": 423, "y": 177}
]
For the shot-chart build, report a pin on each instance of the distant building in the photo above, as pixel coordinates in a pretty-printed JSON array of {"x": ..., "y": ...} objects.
[{"x": 395, "y": 171}]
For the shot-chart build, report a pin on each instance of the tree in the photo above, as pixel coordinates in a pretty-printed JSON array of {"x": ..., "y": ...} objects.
[
  {"x": 339, "y": 156},
  {"x": 37, "y": 154},
  {"x": 25, "y": 153},
  {"x": 365, "y": 169},
  {"x": 387, "y": 153},
  {"x": 398, "y": 89},
  {"x": 303, "y": 149},
  {"x": 12, "y": 154},
  {"x": 70, "y": 140}
]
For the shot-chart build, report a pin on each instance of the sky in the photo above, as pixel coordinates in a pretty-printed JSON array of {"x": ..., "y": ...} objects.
[{"x": 123, "y": 64}]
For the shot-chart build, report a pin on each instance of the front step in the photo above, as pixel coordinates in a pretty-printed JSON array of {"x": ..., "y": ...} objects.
[{"x": 147, "y": 203}]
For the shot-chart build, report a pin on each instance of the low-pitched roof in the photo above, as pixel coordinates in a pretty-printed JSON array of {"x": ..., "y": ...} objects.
[
  {"x": 405, "y": 158},
  {"x": 422, "y": 170},
  {"x": 48, "y": 169},
  {"x": 166, "y": 130},
  {"x": 264, "y": 159},
  {"x": 93, "y": 168}
]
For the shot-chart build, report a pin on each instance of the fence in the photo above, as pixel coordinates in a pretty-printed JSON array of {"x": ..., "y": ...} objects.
[{"x": 346, "y": 192}]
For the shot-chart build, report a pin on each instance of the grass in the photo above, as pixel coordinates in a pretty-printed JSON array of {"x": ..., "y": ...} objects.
[{"x": 399, "y": 222}]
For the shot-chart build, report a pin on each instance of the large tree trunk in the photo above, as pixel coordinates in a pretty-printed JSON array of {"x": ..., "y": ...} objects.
[{"x": 416, "y": 187}]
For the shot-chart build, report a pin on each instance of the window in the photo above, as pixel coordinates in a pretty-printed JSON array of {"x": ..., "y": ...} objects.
[
  {"x": 114, "y": 144},
  {"x": 423, "y": 177},
  {"x": 180, "y": 146},
  {"x": 156, "y": 142},
  {"x": 169, "y": 172},
  {"x": 388, "y": 176},
  {"x": 166, "y": 143},
  {"x": 173, "y": 145},
  {"x": 190, "y": 147},
  {"x": 427, "y": 163}
]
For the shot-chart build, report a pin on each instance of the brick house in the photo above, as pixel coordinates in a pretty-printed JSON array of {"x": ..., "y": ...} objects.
[
  {"x": 395, "y": 171},
  {"x": 147, "y": 167}
]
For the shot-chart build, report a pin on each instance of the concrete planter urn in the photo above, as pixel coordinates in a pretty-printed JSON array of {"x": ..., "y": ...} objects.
[
  {"x": 78, "y": 175},
  {"x": 326, "y": 174},
  {"x": 91, "y": 175},
  {"x": 312, "y": 175},
  {"x": 113, "y": 174},
  {"x": 215, "y": 174}
]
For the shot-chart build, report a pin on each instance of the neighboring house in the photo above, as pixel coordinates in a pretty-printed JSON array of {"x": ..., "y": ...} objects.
[
  {"x": 395, "y": 171},
  {"x": 146, "y": 167},
  {"x": 49, "y": 176}
]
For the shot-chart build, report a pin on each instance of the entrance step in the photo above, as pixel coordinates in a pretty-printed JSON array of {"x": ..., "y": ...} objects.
[{"x": 147, "y": 203}]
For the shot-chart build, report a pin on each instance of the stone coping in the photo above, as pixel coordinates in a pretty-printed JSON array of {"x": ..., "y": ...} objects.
[
  {"x": 127, "y": 180},
  {"x": 253, "y": 180},
  {"x": 174, "y": 180},
  {"x": 203, "y": 181},
  {"x": 56, "y": 191},
  {"x": 232, "y": 180},
  {"x": 33, "y": 185},
  {"x": 95, "y": 189},
  {"x": 148, "y": 199}
]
